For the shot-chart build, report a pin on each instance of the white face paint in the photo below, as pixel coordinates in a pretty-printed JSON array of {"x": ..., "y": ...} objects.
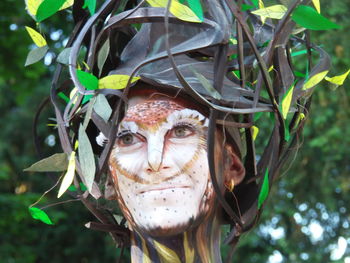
[{"x": 160, "y": 167}]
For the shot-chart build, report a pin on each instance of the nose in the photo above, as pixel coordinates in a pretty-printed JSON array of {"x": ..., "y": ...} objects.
[{"x": 155, "y": 153}]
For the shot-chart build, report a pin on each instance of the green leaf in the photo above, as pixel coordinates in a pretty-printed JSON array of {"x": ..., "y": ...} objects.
[
  {"x": 207, "y": 85},
  {"x": 314, "y": 80},
  {"x": 63, "y": 96},
  {"x": 39, "y": 214},
  {"x": 246, "y": 7},
  {"x": 102, "y": 107},
  {"x": 37, "y": 38},
  {"x": 177, "y": 9},
  {"x": 55, "y": 163},
  {"x": 317, "y": 5},
  {"x": 86, "y": 158},
  {"x": 286, "y": 101},
  {"x": 275, "y": 12},
  {"x": 89, "y": 81},
  {"x": 35, "y": 55},
  {"x": 196, "y": 7},
  {"x": 255, "y": 3},
  {"x": 115, "y": 81},
  {"x": 102, "y": 55},
  {"x": 63, "y": 57},
  {"x": 338, "y": 80},
  {"x": 91, "y": 5},
  {"x": 307, "y": 17},
  {"x": 68, "y": 177},
  {"x": 47, "y": 8},
  {"x": 72, "y": 188},
  {"x": 255, "y": 132},
  {"x": 265, "y": 188}
]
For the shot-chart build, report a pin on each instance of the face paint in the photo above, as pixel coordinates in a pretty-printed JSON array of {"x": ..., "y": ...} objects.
[{"x": 159, "y": 165}]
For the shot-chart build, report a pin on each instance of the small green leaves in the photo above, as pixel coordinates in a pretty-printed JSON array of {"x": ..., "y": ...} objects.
[
  {"x": 55, "y": 163},
  {"x": 35, "y": 55},
  {"x": 314, "y": 80},
  {"x": 286, "y": 101},
  {"x": 41, "y": 215},
  {"x": 69, "y": 176},
  {"x": 37, "y": 38},
  {"x": 47, "y": 8},
  {"x": 255, "y": 132},
  {"x": 196, "y": 7},
  {"x": 309, "y": 18},
  {"x": 91, "y": 5},
  {"x": 177, "y": 9},
  {"x": 89, "y": 81},
  {"x": 86, "y": 158},
  {"x": 265, "y": 188},
  {"x": 207, "y": 85},
  {"x": 338, "y": 80},
  {"x": 115, "y": 81}
]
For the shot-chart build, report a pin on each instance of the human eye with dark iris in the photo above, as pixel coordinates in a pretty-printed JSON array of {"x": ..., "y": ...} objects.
[
  {"x": 182, "y": 130},
  {"x": 127, "y": 138}
]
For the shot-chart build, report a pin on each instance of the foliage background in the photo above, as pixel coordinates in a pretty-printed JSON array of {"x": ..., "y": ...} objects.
[{"x": 307, "y": 213}]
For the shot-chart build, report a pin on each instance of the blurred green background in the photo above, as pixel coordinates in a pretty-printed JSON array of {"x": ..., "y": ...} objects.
[{"x": 307, "y": 215}]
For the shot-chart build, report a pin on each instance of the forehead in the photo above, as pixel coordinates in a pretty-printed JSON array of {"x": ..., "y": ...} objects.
[{"x": 151, "y": 110}]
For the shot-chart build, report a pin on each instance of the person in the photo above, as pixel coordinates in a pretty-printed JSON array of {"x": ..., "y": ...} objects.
[{"x": 161, "y": 175}]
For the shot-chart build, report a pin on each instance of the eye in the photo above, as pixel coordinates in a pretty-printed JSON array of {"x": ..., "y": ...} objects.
[
  {"x": 182, "y": 131},
  {"x": 127, "y": 139}
]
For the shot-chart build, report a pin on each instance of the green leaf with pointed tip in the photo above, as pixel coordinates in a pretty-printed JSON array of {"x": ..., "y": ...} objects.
[
  {"x": 86, "y": 158},
  {"x": 308, "y": 17},
  {"x": 255, "y": 3},
  {"x": 102, "y": 107},
  {"x": 196, "y": 7},
  {"x": 89, "y": 81},
  {"x": 91, "y": 5},
  {"x": 63, "y": 57},
  {"x": 102, "y": 55},
  {"x": 41, "y": 215},
  {"x": 55, "y": 163},
  {"x": 47, "y": 8},
  {"x": 265, "y": 188},
  {"x": 35, "y": 55}
]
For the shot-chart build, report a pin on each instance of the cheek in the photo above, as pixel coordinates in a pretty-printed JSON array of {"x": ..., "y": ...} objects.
[
  {"x": 181, "y": 153},
  {"x": 131, "y": 162}
]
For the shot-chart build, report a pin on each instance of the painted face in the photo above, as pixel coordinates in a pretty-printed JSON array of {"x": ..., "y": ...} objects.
[{"x": 159, "y": 165}]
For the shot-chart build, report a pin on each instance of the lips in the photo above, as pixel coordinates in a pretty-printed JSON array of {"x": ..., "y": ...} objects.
[{"x": 162, "y": 188}]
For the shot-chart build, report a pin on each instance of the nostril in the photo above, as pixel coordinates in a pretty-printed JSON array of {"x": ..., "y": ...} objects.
[
  {"x": 149, "y": 170},
  {"x": 165, "y": 167}
]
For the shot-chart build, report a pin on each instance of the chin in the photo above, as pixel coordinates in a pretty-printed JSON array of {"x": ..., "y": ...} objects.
[{"x": 168, "y": 222}]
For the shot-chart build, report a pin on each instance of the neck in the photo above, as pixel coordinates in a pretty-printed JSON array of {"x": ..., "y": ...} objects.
[{"x": 199, "y": 245}]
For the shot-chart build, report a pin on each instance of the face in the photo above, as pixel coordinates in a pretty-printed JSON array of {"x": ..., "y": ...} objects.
[{"x": 159, "y": 166}]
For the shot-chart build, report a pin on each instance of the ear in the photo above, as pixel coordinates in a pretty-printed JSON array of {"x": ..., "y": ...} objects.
[{"x": 234, "y": 171}]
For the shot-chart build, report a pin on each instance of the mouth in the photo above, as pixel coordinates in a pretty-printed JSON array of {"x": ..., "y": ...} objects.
[{"x": 163, "y": 188}]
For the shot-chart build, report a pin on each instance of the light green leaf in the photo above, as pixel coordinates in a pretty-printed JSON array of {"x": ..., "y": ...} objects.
[
  {"x": 63, "y": 57},
  {"x": 207, "y": 85},
  {"x": 338, "y": 80},
  {"x": 41, "y": 215},
  {"x": 47, "y": 8},
  {"x": 55, "y": 163},
  {"x": 314, "y": 80},
  {"x": 69, "y": 176},
  {"x": 177, "y": 9},
  {"x": 35, "y": 55},
  {"x": 286, "y": 101},
  {"x": 115, "y": 81},
  {"x": 255, "y": 132},
  {"x": 86, "y": 158},
  {"x": 317, "y": 5},
  {"x": 265, "y": 188},
  {"x": 102, "y": 107},
  {"x": 102, "y": 55},
  {"x": 275, "y": 12},
  {"x": 37, "y": 38},
  {"x": 307, "y": 17}
]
